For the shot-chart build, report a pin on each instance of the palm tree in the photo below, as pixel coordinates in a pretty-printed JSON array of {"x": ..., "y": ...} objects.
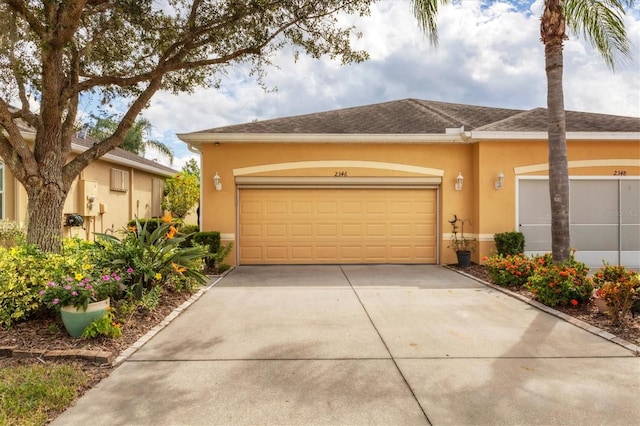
[
  {"x": 135, "y": 141},
  {"x": 601, "y": 23}
]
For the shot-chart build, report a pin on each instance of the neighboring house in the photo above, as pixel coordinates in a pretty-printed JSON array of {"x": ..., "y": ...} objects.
[
  {"x": 379, "y": 183},
  {"x": 107, "y": 194}
]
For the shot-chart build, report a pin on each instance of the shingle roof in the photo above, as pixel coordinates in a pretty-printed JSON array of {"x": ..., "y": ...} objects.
[
  {"x": 535, "y": 120},
  {"x": 125, "y": 155},
  {"x": 119, "y": 153},
  {"x": 415, "y": 116}
]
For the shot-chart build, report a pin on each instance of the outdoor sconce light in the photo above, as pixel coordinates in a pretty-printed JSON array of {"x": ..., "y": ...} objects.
[
  {"x": 459, "y": 180},
  {"x": 498, "y": 183},
  {"x": 217, "y": 182}
]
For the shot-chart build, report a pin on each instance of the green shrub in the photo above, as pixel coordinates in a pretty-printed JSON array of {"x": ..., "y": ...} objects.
[
  {"x": 211, "y": 240},
  {"x": 510, "y": 270},
  {"x": 25, "y": 271},
  {"x": 189, "y": 229},
  {"x": 21, "y": 279},
  {"x": 561, "y": 284},
  {"x": 509, "y": 243}
]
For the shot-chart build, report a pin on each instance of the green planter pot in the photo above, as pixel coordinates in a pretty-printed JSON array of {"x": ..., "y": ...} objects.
[{"x": 76, "y": 320}]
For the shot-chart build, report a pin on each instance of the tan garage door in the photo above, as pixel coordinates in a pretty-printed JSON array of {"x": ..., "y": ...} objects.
[{"x": 289, "y": 226}]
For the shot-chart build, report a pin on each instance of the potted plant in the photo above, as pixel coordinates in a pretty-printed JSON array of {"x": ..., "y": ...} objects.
[
  {"x": 458, "y": 243},
  {"x": 81, "y": 299}
]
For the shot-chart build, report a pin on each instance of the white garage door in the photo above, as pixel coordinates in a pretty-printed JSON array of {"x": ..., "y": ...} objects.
[
  {"x": 604, "y": 217},
  {"x": 312, "y": 226}
]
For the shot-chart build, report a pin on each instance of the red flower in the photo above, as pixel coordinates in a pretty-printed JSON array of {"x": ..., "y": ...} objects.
[{"x": 574, "y": 302}]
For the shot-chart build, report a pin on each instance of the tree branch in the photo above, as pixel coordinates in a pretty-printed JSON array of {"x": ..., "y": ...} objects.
[
  {"x": 22, "y": 9},
  {"x": 75, "y": 166},
  {"x": 14, "y": 145}
]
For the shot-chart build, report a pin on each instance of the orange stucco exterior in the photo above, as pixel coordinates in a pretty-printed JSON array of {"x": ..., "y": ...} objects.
[{"x": 489, "y": 210}]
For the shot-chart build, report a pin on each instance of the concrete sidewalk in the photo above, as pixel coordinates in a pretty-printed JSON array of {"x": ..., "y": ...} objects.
[{"x": 365, "y": 345}]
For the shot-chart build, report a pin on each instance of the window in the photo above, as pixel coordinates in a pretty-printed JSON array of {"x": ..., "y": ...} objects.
[
  {"x": 119, "y": 180},
  {"x": 157, "y": 194}
]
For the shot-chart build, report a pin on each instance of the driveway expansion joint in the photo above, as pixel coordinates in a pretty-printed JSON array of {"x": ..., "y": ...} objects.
[{"x": 399, "y": 370}]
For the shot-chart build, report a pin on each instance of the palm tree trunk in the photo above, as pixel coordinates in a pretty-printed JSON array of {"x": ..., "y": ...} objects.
[{"x": 553, "y": 35}]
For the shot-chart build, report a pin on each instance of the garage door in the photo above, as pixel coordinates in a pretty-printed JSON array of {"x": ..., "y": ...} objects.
[
  {"x": 298, "y": 226},
  {"x": 604, "y": 219}
]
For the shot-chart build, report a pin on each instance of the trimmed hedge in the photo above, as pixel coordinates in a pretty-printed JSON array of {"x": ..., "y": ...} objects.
[{"x": 509, "y": 243}]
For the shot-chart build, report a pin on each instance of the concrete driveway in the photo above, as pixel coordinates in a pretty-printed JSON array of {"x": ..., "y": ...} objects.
[{"x": 365, "y": 345}]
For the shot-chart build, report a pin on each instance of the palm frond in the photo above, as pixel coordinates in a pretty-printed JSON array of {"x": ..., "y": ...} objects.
[
  {"x": 426, "y": 12},
  {"x": 601, "y": 22}
]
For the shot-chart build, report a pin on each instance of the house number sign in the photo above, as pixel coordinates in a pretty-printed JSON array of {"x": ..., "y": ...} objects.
[
  {"x": 340, "y": 174},
  {"x": 619, "y": 172}
]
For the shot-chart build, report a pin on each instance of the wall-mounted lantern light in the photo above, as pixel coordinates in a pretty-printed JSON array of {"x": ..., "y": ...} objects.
[
  {"x": 459, "y": 180},
  {"x": 498, "y": 183},
  {"x": 217, "y": 182}
]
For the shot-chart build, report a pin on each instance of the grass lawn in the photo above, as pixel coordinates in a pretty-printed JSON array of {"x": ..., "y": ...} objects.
[{"x": 32, "y": 394}]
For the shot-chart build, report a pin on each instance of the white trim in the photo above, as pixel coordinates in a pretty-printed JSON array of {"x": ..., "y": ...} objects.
[
  {"x": 338, "y": 164},
  {"x": 613, "y": 162},
  {"x": 584, "y": 136},
  {"x": 469, "y": 236},
  {"x": 200, "y": 138}
]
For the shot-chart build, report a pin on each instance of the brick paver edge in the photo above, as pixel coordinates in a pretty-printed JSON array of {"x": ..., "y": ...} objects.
[
  {"x": 105, "y": 357},
  {"x": 124, "y": 355}
]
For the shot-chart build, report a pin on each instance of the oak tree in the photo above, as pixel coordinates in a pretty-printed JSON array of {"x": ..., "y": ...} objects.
[{"x": 54, "y": 52}]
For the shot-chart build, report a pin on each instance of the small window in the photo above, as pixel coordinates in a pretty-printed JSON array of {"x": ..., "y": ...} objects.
[{"x": 119, "y": 180}]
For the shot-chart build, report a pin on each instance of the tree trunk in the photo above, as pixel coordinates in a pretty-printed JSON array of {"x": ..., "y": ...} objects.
[
  {"x": 553, "y": 35},
  {"x": 45, "y": 218}
]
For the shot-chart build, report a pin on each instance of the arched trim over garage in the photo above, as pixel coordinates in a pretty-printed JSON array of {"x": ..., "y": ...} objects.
[
  {"x": 338, "y": 164},
  {"x": 543, "y": 167}
]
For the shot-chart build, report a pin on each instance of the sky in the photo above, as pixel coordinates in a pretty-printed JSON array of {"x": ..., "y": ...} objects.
[{"x": 488, "y": 54}]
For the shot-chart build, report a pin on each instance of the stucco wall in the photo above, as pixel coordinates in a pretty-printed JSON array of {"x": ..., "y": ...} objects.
[
  {"x": 489, "y": 210},
  {"x": 119, "y": 207}
]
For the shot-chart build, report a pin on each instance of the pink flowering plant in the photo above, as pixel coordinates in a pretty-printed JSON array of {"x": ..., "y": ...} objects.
[{"x": 80, "y": 290}]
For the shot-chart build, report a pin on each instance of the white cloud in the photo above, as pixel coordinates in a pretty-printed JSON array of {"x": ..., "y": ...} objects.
[{"x": 488, "y": 54}]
